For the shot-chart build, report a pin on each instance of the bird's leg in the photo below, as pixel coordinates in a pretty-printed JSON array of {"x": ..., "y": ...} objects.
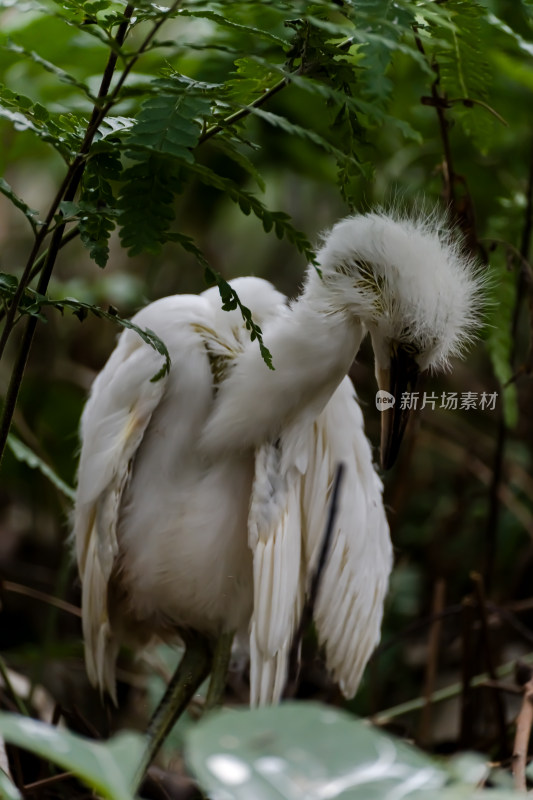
[
  {"x": 192, "y": 670},
  {"x": 219, "y": 673}
]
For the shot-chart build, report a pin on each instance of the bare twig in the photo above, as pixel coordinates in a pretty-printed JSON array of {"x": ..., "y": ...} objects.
[
  {"x": 432, "y": 662},
  {"x": 245, "y": 111},
  {"x": 35, "y": 594},
  {"x": 467, "y": 671},
  {"x": 499, "y": 709},
  {"x": 438, "y": 102},
  {"x": 446, "y": 693},
  {"x": 468, "y": 102},
  {"x": 53, "y": 779},
  {"x": 524, "y": 722},
  {"x": 510, "y": 688}
]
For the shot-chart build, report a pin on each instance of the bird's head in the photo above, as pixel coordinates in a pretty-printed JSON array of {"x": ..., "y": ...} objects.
[{"x": 411, "y": 286}]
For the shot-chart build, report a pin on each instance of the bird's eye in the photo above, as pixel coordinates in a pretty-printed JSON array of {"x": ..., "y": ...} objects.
[{"x": 411, "y": 348}]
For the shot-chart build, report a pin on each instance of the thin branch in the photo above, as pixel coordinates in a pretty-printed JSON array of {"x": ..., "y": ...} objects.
[
  {"x": 39, "y": 262},
  {"x": 446, "y": 693},
  {"x": 35, "y": 594},
  {"x": 524, "y": 723},
  {"x": 432, "y": 662},
  {"x": 69, "y": 188},
  {"x": 468, "y": 102},
  {"x": 53, "y": 779},
  {"x": 499, "y": 709},
  {"x": 437, "y": 101},
  {"x": 467, "y": 664},
  {"x": 244, "y": 112},
  {"x": 494, "y": 509}
]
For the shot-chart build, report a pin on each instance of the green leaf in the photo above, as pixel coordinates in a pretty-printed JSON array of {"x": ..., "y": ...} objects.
[
  {"x": 26, "y": 115},
  {"x": 28, "y": 212},
  {"x": 63, "y": 76},
  {"x": 146, "y": 204},
  {"x": 228, "y": 295},
  {"x": 26, "y": 455},
  {"x": 8, "y": 790},
  {"x": 376, "y": 116},
  {"x": 304, "y": 748},
  {"x": 168, "y": 124},
  {"x": 229, "y": 148},
  {"x": 32, "y": 302},
  {"x": 81, "y": 310},
  {"x": 465, "y": 70},
  {"x": 108, "y": 767},
  {"x": 251, "y": 78},
  {"x": 292, "y": 129},
  {"x": 256, "y": 33}
]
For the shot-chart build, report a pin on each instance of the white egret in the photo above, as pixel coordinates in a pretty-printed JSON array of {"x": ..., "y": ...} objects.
[{"x": 202, "y": 497}]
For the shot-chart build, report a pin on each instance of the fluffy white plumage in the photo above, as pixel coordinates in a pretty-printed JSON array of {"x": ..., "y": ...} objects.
[{"x": 202, "y": 498}]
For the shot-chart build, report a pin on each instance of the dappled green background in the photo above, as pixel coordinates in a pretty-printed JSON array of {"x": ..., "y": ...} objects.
[{"x": 448, "y": 515}]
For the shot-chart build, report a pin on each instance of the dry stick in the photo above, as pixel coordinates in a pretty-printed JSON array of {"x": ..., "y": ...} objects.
[
  {"x": 467, "y": 672},
  {"x": 446, "y": 693},
  {"x": 309, "y": 607},
  {"x": 32, "y": 787},
  {"x": 499, "y": 708},
  {"x": 524, "y": 722},
  {"x": 433, "y": 658},
  {"x": 35, "y": 594}
]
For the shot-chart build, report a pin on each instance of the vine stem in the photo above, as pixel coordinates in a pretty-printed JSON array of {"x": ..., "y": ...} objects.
[
  {"x": 68, "y": 187},
  {"x": 245, "y": 111},
  {"x": 39, "y": 262},
  {"x": 67, "y": 191}
]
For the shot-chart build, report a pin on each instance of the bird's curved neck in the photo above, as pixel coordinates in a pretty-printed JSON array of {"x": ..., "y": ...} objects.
[{"x": 312, "y": 347}]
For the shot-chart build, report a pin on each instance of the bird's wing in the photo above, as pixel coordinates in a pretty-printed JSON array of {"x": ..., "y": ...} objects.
[
  {"x": 114, "y": 420},
  {"x": 290, "y": 499},
  {"x": 275, "y": 541},
  {"x": 354, "y": 581}
]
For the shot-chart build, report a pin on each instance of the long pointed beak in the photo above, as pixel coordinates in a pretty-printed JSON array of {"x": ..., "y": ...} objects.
[{"x": 399, "y": 379}]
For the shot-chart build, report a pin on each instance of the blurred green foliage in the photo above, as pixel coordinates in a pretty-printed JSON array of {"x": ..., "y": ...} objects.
[{"x": 239, "y": 133}]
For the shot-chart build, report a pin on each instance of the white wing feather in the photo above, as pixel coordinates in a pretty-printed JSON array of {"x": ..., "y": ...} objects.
[
  {"x": 290, "y": 498},
  {"x": 113, "y": 423},
  {"x": 354, "y": 582},
  {"x": 275, "y": 541}
]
